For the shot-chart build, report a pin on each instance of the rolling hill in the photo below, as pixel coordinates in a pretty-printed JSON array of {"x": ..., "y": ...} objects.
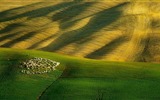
[
  {"x": 101, "y": 47},
  {"x": 15, "y": 85},
  {"x": 110, "y": 30},
  {"x": 77, "y": 78}
]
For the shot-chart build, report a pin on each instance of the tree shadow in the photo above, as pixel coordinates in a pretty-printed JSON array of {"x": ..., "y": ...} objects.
[
  {"x": 34, "y": 13},
  {"x": 36, "y": 44},
  {"x": 16, "y": 11},
  {"x": 71, "y": 12},
  {"x": 146, "y": 52},
  {"x": 99, "y": 21},
  {"x": 65, "y": 15},
  {"x": 22, "y": 38},
  {"x": 8, "y": 36},
  {"x": 31, "y": 14},
  {"x": 107, "y": 48},
  {"x": 155, "y": 24},
  {"x": 11, "y": 27}
]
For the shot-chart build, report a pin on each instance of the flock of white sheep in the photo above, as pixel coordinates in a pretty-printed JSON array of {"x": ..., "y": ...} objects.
[{"x": 38, "y": 66}]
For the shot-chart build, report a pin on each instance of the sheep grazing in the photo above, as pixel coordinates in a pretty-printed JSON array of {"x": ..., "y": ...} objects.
[{"x": 38, "y": 66}]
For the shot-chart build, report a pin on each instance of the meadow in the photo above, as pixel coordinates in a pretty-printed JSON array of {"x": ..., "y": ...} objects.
[
  {"x": 107, "y": 50},
  {"x": 110, "y": 30},
  {"x": 78, "y": 79}
]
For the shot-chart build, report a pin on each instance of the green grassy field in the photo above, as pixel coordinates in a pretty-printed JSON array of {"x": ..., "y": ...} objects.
[
  {"x": 18, "y": 86},
  {"x": 108, "y": 30},
  {"x": 78, "y": 79},
  {"x": 114, "y": 30}
]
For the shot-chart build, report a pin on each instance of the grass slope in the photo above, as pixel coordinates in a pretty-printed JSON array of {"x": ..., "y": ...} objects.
[
  {"x": 97, "y": 80},
  {"x": 112, "y": 30},
  {"x": 17, "y": 86},
  {"x": 82, "y": 79}
]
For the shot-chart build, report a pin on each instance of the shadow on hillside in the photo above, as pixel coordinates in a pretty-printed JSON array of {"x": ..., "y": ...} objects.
[
  {"x": 145, "y": 54},
  {"x": 13, "y": 30},
  {"x": 71, "y": 12},
  {"x": 10, "y": 28},
  {"x": 155, "y": 24},
  {"x": 22, "y": 38},
  {"x": 34, "y": 13},
  {"x": 8, "y": 36},
  {"x": 107, "y": 48},
  {"x": 99, "y": 21},
  {"x": 8, "y": 14},
  {"x": 10, "y": 63},
  {"x": 65, "y": 15},
  {"x": 38, "y": 43}
]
